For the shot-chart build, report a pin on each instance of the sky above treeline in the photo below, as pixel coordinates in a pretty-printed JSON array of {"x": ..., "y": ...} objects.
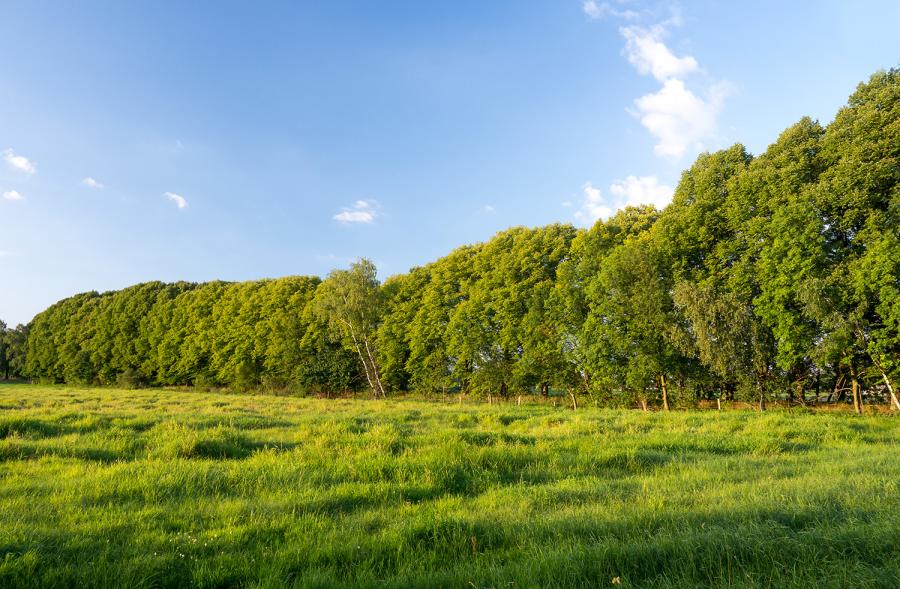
[{"x": 233, "y": 140}]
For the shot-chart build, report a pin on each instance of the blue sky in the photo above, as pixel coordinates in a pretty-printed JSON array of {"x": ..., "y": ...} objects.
[{"x": 234, "y": 140}]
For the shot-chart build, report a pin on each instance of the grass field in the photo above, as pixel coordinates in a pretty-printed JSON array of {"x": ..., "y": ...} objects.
[{"x": 162, "y": 488}]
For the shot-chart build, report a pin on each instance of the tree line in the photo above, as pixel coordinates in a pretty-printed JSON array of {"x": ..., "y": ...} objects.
[
  {"x": 12, "y": 350},
  {"x": 775, "y": 276}
]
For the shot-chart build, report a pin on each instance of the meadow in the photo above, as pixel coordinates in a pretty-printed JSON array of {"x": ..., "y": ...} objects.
[{"x": 180, "y": 488}]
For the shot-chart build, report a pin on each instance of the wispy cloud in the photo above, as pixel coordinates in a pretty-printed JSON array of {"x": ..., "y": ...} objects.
[
  {"x": 7, "y": 254},
  {"x": 179, "y": 200},
  {"x": 680, "y": 116},
  {"x": 677, "y": 117},
  {"x": 596, "y": 10},
  {"x": 593, "y": 206},
  {"x": 592, "y": 9},
  {"x": 19, "y": 162},
  {"x": 92, "y": 183},
  {"x": 362, "y": 211},
  {"x": 13, "y": 195},
  {"x": 649, "y": 55},
  {"x": 643, "y": 190},
  {"x": 632, "y": 191},
  {"x": 489, "y": 209}
]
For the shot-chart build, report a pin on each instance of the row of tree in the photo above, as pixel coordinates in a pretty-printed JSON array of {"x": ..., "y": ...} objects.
[
  {"x": 12, "y": 350},
  {"x": 240, "y": 334},
  {"x": 769, "y": 276}
]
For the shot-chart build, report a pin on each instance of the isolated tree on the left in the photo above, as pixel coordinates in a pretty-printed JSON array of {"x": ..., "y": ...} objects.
[{"x": 349, "y": 301}]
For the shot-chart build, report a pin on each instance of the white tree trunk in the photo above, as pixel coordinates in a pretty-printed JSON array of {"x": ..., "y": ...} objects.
[
  {"x": 894, "y": 402},
  {"x": 374, "y": 369},
  {"x": 362, "y": 359}
]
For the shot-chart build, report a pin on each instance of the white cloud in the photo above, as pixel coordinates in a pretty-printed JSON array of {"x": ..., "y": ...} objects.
[
  {"x": 644, "y": 190},
  {"x": 593, "y": 206},
  {"x": 362, "y": 211},
  {"x": 13, "y": 195},
  {"x": 179, "y": 200},
  {"x": 630, "y": 192},
  {"x": 597, "y": 11},
  {"x": 489, "y": 209},
  {"x": 92, "y": 183},
  {"x": 19, "y": 162},
  {"x": 678, "y": 118},
  {"x": 592, "y": 9},
  {"x": 649, "y": 55},
  {"x": 7, "y": 254}
]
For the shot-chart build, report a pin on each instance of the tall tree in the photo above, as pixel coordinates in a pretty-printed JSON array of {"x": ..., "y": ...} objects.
[
  {"x": 349, "y": 301},
  {"x": 631, "y": 319},
  {"x": 577, "y": 274}
]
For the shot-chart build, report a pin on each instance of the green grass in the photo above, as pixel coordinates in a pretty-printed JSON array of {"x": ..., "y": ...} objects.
[{"x": 165, "y": 488}]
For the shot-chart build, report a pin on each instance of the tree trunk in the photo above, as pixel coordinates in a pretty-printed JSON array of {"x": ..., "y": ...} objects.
[
  {"x": 365, "y": 366},
  {"x": 801, "y": 394},
  {"x": 818, "y": 385},
  {"x": 374, "y": 368},
  {"x": 718, "y": 403},
  {"x": 857, "y": 395},
  {"x": 762, "y": 397},
  {"x": 504, "y": 390},
  {"x": 574, "y": 402},
  {"x": 363, "y": 359},
  {"x": 895, "y": 403},
  {"x": 664, "y": 387},
  {"x": 643, "y": 403},
  {"x": 838, "y": 392},
  {"x": 545, "y": 389}
]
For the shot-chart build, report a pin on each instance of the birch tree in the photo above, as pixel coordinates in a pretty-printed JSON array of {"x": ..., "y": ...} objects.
[{"x": 349, "y": 301}]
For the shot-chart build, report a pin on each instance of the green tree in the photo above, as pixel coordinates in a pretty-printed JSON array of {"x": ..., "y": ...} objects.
[
  {"x": 499, "y": 332},
  {"x": 349, "y": 302},
  {"x": 402, "y": 297},
  {"x": 576, "y": 277},
  {"x": 14, "y": 343},
  {"x": 432, "y": 364},
  {"x": 631, "y": 319}
]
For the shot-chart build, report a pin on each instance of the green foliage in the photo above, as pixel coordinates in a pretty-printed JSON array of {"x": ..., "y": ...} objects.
[
  {"x": 243, "y": 335},
  {"x": 349, "y": 304},
  {"x": 12, "y": 351},
  {"x": 766, "y": 278},
  {"x": 501, "y": 333}
]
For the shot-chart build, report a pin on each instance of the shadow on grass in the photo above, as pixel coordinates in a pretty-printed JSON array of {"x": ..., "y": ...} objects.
[
  {"x": 752, "y": 547},
  {"x": 30, "y": 451},
  {"x": 30, "y": 428},
  {"x": 482, "y": 438}
]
